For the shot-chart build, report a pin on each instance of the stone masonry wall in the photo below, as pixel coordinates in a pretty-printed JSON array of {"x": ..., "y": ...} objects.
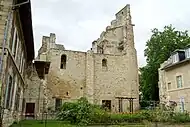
[
  {"x": 115, "y": 81},
  {"x": 84, "y": 75},
  {"x": 69, "y": 82},
  {"x": 112, "y": 40}
]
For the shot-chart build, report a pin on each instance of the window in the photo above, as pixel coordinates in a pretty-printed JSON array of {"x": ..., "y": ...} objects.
[
  {"x": 179, "y": 81},
  {"x": 104, "y": 64},
  {"x": 12, "y": 35},
  {"x": 63, "y": 62},
  {"x": 57, "y": 103},
  {"x": 106, "y": 104},
  {"x": 175, "y": 58},
  {"x": 1, "y": 7},
  {"x": 187, "y": 52},
  {"x": 15, "y": 45},
  {"x": 182, "y": 104},
  {"x": 14, "y": 41},
  {"x": 100, "y": 50},
  {"x": 17, "y": 99},
  {"x": 8, "y": 92},
  {"x": 21, "y": 61},
  {"x": 169, "y": 85}
]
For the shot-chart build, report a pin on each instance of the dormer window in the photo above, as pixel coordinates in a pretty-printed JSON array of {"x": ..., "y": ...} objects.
[
  {"x": 187, "y": 53},
  {"x": 175, "y": 58}
]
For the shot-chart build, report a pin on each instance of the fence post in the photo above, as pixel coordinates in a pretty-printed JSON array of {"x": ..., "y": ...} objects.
[
  {"x": 42, "y": 110},
  {"x": 46, "y": 120}
]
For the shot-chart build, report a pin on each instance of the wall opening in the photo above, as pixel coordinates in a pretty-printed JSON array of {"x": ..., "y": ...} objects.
[
  {"x": 58, "y": 103},
  {"x": 106, "y": 104},
  {"x": 120, "y": 105},
  {"x": 30, "y": 108},
  {"x": 63, "y": 62},
  {"x": 104, "y": 64}
]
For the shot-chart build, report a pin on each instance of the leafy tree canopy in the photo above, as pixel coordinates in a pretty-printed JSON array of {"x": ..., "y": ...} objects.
[{"x": 158, "y": 49}]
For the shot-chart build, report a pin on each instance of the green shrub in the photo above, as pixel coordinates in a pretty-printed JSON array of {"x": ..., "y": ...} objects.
[
  {"x": 82, "y": 112},
  {"x": 180, "y": 118}
]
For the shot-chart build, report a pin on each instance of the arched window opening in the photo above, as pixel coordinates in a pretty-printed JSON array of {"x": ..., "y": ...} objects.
[
  {"x": 63, "y": 62},
  {"x": 104, "y": 63}
]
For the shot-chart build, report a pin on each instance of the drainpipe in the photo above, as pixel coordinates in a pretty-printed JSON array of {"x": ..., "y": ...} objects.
[{"x": 2, "y": 62}]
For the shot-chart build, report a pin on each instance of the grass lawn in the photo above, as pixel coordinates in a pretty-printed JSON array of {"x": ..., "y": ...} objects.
[{"x": 34, "y": 123}]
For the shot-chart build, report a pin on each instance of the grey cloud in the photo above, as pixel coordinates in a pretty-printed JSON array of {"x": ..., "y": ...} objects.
[{"x": 78, "y": 22}]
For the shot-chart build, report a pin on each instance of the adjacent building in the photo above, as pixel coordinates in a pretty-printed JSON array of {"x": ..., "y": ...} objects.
[
  {"x": 174, "y": 79},
  {"x": 107, "y": 74},
  {"x": 16, "y": 38}
]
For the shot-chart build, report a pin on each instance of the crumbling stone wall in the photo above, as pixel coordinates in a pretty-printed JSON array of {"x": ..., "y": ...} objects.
[
  {"x": 84, "y": 74},
  {"x": 69, "y": 82},
  {"x": 113, "y": 39},
  {"x": 37, "y": 91}
]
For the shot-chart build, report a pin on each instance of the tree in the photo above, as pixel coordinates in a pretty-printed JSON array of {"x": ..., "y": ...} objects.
[{"x": 158, "y": 49}]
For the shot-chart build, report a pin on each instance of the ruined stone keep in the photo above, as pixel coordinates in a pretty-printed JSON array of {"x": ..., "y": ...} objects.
[{"x": 107, "y": 71}]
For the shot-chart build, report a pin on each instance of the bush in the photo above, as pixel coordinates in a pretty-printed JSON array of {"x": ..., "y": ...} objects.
[
  {"x": 180, "y": 118},
  {"x": 82, "y": 112},
  {"x": 129, "y": 118},
  {"x": 77, "y": 112}
]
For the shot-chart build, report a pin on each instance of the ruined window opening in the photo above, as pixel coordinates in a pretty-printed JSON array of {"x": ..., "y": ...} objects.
[
  {"x": 104, "y": 63},
  {"x": 63, "y": 62},
  {"x": 58, "y": 103},
  {"x": 67, "y": 93},
  {"x": 106, "y": 104},
  {"x": 100, "y": 50}
]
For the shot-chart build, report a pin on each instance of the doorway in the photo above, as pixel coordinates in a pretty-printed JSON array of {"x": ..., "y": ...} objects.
[
  {"x": 120, "y": 105},
  {"x": 30, "y": 108}
]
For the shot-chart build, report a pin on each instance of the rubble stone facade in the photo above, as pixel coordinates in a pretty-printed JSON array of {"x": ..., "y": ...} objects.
[
  {"x": 107, "y": 71},
  {"x": 17, "y": 40}
]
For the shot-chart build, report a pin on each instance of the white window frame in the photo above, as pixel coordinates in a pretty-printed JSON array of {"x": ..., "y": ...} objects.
[
  {"x": 182, "y": 104},
  {"x": 187, "y": 53},
  {"x": 17, "y": 46},
  {"x": 179, "y": 82},
  {"x": 14, "y": 38},
  {"x": 175, "y": 58},
  {"x": 169, "y": 85}
]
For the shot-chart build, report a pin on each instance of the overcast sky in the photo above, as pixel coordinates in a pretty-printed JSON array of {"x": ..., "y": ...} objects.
[{"x": 78, "y": 22}]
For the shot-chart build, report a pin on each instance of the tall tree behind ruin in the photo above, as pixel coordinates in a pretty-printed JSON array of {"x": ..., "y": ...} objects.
[{"x": 158, "y": 48}]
